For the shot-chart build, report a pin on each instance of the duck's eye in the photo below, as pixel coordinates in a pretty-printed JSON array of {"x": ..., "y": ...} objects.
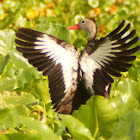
[{"x": 83, "y": 21}]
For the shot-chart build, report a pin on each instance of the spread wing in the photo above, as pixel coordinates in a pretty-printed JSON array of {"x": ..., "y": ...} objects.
[
  {"x": 57, "y": 59},
  {"x": 107, "y": 56}
]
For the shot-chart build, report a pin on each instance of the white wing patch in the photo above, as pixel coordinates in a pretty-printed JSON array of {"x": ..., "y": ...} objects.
[
  {"x": 60, "y": 55},
  {"x": 88, "y": 66},
  {"x": 105, "y": 50}
]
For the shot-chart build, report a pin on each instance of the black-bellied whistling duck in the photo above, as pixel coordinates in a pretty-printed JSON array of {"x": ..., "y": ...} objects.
[{"x": 74, "y": 78}]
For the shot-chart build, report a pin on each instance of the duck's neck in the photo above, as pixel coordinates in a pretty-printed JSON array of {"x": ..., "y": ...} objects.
[{"x": 92, "y": 33}]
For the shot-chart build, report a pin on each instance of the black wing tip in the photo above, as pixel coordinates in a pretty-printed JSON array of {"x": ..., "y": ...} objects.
[
  {"x": 132, "y": 58},
  {"x": 16, "y": 34},
  {"x": 115, "y": 31},
  {"x": 22, "y": 29},
  {"x": 19, "y": 42},
  {"x": 128, "y": 26},
  {"x": 136, "y": 38},
  {"x": 128, "y": 52},
  {"x": 137, "y": 48},
  {"x": 29, "y": 32},
  {"x": 16, "y": 41},
  {"x": 133, "y": 31},
  {"x": 18, "y": 48},
  {"x": 123, "y": 23}
]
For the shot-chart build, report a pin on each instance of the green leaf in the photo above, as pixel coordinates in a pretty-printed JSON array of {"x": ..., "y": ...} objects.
[
  {"x": 20, "y": 64},
  {"x": 6, "y": 41},
  {"x": 100, "y": 117},
  {"x": 137, "y": 134},
  {"x": 80, "y": 44},
  {"x": 4, "y": 112},
  {"x": 20, "y": 136},
  {"x": 43, "y": 91},
  {"x": 32, "y": 126},
  {"x": 7, "y": 84},
  {"x": 3, "y": 62},
  {"x": 14, "y": 105},
  {"x": 18, "y": 60},
  {"x": 13, "y": 99},
  {"x": 12, "y": 118},
  {"x": 128, "y": 87},
  {"x": 54, "y": 29},
  {"x": 128, "y": 126},
  {"x": 25, "y": 75},
  {"x": 124, "y": 103},
  {"x": 134, "y": 72},
  {"x": 25, "y": 71},
  {"x": 76, "y": 128}
]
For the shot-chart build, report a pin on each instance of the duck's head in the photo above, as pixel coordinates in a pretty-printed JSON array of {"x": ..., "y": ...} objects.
[{"x": 89, "y": 25}]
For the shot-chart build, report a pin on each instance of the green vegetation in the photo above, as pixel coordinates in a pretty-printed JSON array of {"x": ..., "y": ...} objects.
[{"x": 25, "y": 105}]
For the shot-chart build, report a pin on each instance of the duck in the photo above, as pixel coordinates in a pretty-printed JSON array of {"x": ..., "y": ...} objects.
[{"x": 74, "y": 77}]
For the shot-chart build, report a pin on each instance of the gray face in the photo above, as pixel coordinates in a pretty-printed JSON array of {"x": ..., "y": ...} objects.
[
  {"x": 89, "y": 26},
  {"x": 86, "y": 24}
]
